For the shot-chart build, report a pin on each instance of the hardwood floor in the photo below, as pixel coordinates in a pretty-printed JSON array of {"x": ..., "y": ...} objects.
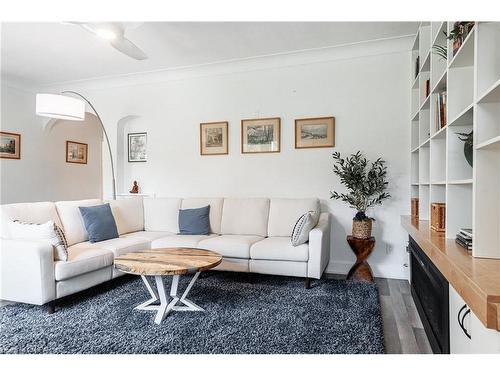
[{"x": 403, "y": 330}]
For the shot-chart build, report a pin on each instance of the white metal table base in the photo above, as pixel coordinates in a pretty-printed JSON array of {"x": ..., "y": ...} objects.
[{"x": 166, "y": 306}]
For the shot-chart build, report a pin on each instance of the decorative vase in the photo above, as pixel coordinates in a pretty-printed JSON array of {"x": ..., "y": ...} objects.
[
  {"x": 362, "y": 228},
  {"x": 468, "y": 152},
  {"x": 457, "y": 43}
]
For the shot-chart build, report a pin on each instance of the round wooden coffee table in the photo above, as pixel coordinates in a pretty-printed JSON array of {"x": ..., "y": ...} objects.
[{"x": 174, "y": 262}]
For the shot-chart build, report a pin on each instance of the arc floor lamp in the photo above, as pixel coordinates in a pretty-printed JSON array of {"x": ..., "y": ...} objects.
[{"x": 61, "y": 106}]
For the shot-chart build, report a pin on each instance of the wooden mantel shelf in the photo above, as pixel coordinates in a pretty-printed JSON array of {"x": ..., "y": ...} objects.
[{"x": 477, "y": 280}]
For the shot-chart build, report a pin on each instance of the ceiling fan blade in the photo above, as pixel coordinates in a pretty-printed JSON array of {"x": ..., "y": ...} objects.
[{"x": 128, "y": 48}]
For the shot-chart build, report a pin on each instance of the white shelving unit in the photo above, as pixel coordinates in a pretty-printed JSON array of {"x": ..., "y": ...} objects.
[{"x": 439, "y": 170}]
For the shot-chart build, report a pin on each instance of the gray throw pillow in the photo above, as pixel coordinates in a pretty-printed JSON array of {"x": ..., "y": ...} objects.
[
  {"x": 305, "y": 223},
  {"x": 99, "y": 222},
  {"x": 195, "y": 221}
]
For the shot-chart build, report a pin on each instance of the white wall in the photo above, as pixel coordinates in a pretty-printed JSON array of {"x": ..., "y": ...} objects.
[
  {"x": 42, "y": 173},
  {"x": 365, "y": 87}
]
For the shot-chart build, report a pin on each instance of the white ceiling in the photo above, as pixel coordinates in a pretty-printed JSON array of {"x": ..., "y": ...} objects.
[{"x": 44, "y": 53}]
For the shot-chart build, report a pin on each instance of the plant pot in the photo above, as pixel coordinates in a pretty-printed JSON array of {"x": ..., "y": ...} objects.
[
  {"x": 457, "y": 43},
  {"x": 362, "y": 228}
]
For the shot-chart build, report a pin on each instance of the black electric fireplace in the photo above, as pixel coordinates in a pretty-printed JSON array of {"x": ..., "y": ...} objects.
[{"x": 430, "y": 291}]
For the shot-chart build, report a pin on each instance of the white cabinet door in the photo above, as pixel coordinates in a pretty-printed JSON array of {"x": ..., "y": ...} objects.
[
  {"x": 460, "y": 343},
  {"x": 482, "y": 340}
]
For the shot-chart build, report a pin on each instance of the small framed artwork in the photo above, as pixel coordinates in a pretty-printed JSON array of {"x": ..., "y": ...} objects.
[
  {"x": 76, "y": 152},
  {"x": 214, "y": 138},
  {"x": 260, "y": 135},
  {"x": 137, "y": 147},
  {"x": 315, "y": 132},
  {"x": 10, "y": 145}
]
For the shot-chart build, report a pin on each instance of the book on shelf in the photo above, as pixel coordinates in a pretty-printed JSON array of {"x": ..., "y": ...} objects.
[
  {"x": 466, "y": 232},
  {"x": 440, "y": 114},
  {"x": 417, "y": 66},
  {"x": 464, "y": 245},
  {"x": 464, "y": 238},
  {"x": 427, "y": 87}
]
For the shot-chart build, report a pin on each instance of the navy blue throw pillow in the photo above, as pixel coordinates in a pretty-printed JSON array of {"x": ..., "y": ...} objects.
[
  {"x": 99, "y": 222},
  {"x": 194, "y": 221}
]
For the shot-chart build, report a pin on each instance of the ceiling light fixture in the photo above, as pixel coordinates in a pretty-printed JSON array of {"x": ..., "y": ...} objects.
[{"x": 106, "y": 34}]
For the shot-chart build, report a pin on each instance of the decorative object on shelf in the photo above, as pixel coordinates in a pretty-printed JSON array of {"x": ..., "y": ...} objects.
[
  {"x": 315, "y": 132},
  {"x": 68, "y": 108},
  {"x": 76, "y": 152},
  {"x": 414, "y": 207},
  {"x": 135, "y": 188},
  {"x": 10, "y": 145},
  {"x": 440, "y": 113},
  {"x": 459, "y": 33},
  {"x": 427, "y": 90},
  {"x": 214, "y": 138},
  {"x": 438, "y": 217},
  {"x": 417, "y": 66},
  {"x": 362, "y": 248},
  {"x": 464, "y": 239},
  {"x": 468, "y": 139},
  {"x": 440, "y": 51},
  {"x": 366, "y": 187},
  {"x": 260, "y": 135},
  {"x": 137, "y": 147}
]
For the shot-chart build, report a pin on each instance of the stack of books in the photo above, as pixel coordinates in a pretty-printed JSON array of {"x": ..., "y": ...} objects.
[
  {"x": 440, "y": 115},
  {"x": 464, "y": 238}
]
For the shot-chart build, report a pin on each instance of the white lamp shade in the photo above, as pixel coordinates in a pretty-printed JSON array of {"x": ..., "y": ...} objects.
[{"x": 60, "y": 106}]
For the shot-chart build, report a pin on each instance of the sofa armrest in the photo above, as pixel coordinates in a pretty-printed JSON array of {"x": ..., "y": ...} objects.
[
  {"x": 319, "y": 247},
  {"x": 27, "y": 271}
]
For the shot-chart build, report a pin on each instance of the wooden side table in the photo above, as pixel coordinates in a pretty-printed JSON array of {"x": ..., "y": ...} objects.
[{"x": 362, "y": 248}]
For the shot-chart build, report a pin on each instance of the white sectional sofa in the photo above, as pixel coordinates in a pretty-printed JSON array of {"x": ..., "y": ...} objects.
[{"x": 252, "y": 234}]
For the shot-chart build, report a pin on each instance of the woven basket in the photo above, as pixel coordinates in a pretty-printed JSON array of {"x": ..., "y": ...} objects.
[{"x": 362, "y": 228}]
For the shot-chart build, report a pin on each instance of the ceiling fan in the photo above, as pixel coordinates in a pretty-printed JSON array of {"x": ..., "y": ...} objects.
[{"x": 114, "y": 33}]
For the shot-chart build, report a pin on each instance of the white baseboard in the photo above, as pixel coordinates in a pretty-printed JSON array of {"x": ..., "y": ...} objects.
[{"x": 390, "y": 271}]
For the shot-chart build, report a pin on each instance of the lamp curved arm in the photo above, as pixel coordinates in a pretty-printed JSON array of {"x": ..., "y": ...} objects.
[{"x": 105, "y": 135}]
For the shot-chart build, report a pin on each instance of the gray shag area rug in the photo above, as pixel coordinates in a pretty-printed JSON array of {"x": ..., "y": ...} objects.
[{"x": 265, "y": 314}]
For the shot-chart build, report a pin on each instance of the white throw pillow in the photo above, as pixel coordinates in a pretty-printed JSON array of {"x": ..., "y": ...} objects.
[
  {"x": 301, "y": 229},
  {"x": 48, "y": 231}
]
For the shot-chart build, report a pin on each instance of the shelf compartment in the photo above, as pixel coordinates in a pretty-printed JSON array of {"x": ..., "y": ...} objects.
[
  {"x": 488, "y": 122},
  {"x": 437, "y": 29},
  {"x": 423, "y": 77},
  {"x": 423, "y": 202},
  {"x": 415, "y": 140},
  {"x": 423, "y": 164},
  {"x": 438, "y": 64},
  {"x": 440, "y": 85},
  {"x": 460, "y": 90},
  {"x": 488, "y": 56},
  {"x": 458, "y": 168},
  {"x": 465, "y": 55},
  {"x": 424, "y": 45},
  {"x": 492, "y": 94},
  {"x": 464, "y": 117},
  {"x": 438, "y": 158},
  {"x": 458, "y": 208},
  {"x": 424, "y": 126},
  {"x": 415, "y": 104},
  {"x": 493, "y": 143},
  {"x": 486, "y": 222},
  {"x": 438, "y": 194},
  {"x": 460, "y": 182},
  {"x": 414, "y": 168}
]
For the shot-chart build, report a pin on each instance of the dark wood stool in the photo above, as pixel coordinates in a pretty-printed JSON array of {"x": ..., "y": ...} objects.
[{"x": 362, "y": 248}]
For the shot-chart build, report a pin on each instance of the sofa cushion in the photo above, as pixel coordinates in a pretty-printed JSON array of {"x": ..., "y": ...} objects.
[
  {"x": 128, "y": 213},
  {"x": 284, "y": 213},
  {"x": 279, "y": 248},
  {"x": 194, "y": 221},
  {"x": 39, "y": 213},
  {"x": 150, "y": 236},
  {"x": 162, "y": 214},
  {"x": 230, "y": 245},
  {"x": 215, "y": 210},
  {"x": 99, "y": 222},
  {"x": 72, "y": 221},
  {"x": 118, "y": 246},
  {"x": 301, "y": 229},
  {"x": 245, "y": 216},
  {"x": 179, "y": 240},
  {"x": 81, "y": 260}
]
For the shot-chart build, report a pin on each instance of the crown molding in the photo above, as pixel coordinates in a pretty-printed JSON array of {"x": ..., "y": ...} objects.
[{"x": 275, "y": 61}]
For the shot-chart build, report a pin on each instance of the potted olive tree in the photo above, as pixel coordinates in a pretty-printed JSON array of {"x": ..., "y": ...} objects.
[{"x": 366, "y": 186}]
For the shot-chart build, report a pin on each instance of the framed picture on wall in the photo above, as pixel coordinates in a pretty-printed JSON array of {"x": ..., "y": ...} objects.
[
  {"x": 315, "y": 132},
  {"x": 260, "y": 135},
  {"x": 214, "y": 138},
  {"x": 137, "y": 147},
  {"x": 76, "y": 152},
  {"x": 10, "y": 145}
]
